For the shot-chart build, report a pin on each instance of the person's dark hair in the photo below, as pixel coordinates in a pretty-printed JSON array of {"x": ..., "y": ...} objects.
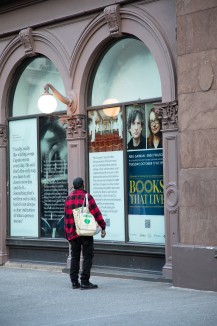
[
  {"x": 132, "y": 117},
  {"x": 78, "y": 183},
  {"x": 151, "y": 136}
]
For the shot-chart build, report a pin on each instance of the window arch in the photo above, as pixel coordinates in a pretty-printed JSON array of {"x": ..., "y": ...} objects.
[
  {"x": 38, "y": 170},
  {"x": 125, "y": 155}
]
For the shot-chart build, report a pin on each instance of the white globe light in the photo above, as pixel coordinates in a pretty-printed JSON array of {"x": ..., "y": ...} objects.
[{"x": 47, "y": 103}]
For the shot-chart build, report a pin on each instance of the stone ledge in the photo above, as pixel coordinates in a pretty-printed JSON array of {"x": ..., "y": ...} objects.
[{"x": 134, "y": 274}]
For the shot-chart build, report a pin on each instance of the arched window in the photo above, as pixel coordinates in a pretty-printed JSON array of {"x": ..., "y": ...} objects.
[
  {"x": 125, "y": 143},
  {"x": 38, "y": 176}
]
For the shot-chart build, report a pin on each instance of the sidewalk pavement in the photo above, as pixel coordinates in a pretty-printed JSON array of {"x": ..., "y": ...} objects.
[{"x": 33, "y": 297}]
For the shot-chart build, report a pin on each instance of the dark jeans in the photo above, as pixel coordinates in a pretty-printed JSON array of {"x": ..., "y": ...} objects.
[{"x": 84, "y": 244}]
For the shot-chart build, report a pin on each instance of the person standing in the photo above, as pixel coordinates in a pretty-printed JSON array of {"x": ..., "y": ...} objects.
[{"x": 78, "y": 243}]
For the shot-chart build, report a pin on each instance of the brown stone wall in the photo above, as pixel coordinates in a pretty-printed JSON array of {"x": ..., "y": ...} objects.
[{"x": 197, "y": 96}]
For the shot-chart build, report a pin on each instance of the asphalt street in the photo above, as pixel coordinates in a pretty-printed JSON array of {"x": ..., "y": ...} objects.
[{"x": 45, "y": 298}]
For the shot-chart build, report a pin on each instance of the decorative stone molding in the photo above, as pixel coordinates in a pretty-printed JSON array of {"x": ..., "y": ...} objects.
[
  {"x": 75, "y": 126},
  {"x": 171, "y": 196},
  {"x": 3, "y": 137},
  {"x": 112, "y": 17},
  {"x": 27, "y": 40},
  {"x": 46, "y": 42},
  {"x": 168, "y": 112},
  {"x": 134, "y": 20},
  {"x": 206, "y": 77}
]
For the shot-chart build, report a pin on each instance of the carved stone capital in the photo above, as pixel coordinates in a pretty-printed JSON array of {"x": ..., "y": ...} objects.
[
  {"x": 168, "y": 112},
  {"x": 113, "y": 19},
  {"x": 75, "y": 126},
  {"x": 27, "y": 40},
  {"x": 3, "y": 136}
]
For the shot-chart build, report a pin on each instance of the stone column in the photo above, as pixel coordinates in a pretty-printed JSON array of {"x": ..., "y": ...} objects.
[
  {"x": 76, "y": 140},
  {"x": 168, "y": 112},
  {"x": 195, "y": 257},
  {"x": 3, "y": 195}
]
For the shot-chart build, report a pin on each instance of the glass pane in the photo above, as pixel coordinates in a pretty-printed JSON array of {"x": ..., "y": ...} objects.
[
  {"x": 127, "y": 72},
  {"x": 54, "y": 176},
  {"x": 145, "y": 175},
  {"x": 106, "y": 168},
  {"x": 31, "y": 86}
]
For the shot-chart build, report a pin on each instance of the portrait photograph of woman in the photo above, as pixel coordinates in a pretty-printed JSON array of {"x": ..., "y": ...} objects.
[{"x": 154, "y": 138}]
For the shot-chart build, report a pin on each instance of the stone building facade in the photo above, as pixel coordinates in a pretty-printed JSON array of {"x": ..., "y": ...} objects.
[{"x": 178, "y": 37}]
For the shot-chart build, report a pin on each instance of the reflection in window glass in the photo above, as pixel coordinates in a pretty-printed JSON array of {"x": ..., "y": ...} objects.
[
  {"x": 31, "y": 84},
  {"x": 127, "y": 72}
]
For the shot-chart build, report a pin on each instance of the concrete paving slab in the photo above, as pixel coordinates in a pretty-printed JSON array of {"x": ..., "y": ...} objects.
[{"x": 30, "y": 297}]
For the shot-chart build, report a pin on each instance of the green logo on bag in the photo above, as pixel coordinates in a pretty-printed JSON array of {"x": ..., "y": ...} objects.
[{"x": 87, "y": 221}]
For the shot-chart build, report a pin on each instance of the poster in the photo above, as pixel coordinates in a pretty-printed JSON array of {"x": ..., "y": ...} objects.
[
  {"x": 145, "y": 182},
  {"x": 145, "y": 175},
  {"x": 23, "y": 178},
  {"x": 54, "y": 176},
  {"x": 106, "y": 169}
]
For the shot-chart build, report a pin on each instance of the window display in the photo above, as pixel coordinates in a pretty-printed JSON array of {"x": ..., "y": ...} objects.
[{"x": 145, "y": 174}]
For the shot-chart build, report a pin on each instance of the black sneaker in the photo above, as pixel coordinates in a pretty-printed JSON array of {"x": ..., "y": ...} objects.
[
  {"x": 76, "y": 285},
  {"x": 88, "y": 286}
]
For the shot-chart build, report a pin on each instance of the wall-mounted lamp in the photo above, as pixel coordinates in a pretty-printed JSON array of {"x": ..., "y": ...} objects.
[{"x": 47, "y": 102}]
